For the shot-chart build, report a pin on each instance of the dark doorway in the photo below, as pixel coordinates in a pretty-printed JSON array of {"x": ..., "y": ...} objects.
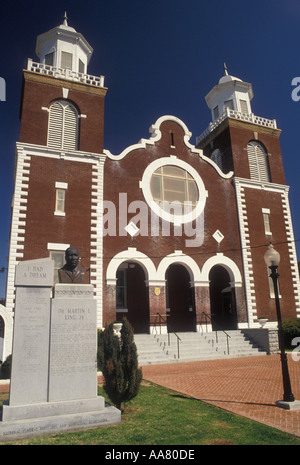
[
  {"x": 180, "y": 300},
  {"x": 132, "y": 299},
  {"x": 222, "y": 302}
]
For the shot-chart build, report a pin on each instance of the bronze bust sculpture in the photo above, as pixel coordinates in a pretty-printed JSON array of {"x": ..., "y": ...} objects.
[{"x": 71, "y": 272}]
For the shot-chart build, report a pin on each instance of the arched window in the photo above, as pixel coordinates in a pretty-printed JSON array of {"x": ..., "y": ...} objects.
[
  {"x": 216, "y": 156},
  {"x": 258, "y": 162},
  {"x": 63, "y": 126}
]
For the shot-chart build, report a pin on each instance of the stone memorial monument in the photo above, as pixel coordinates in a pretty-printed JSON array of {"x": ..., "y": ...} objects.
[{"x": 53, "y": 384}]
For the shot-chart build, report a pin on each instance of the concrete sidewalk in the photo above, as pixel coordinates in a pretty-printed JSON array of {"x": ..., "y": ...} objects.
[{"x": 247, "y": 386}]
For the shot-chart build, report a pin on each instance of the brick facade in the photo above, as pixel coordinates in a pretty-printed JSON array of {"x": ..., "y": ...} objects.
[{"x": 211, "y": 263}]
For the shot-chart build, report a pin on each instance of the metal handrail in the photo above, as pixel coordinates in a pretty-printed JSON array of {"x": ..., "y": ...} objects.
[
  {"x": 161, "y": 318},
  {"x": 216, "y": 331}
]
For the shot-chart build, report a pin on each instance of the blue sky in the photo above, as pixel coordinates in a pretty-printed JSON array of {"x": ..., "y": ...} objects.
[{"x": 161, "y": 57}]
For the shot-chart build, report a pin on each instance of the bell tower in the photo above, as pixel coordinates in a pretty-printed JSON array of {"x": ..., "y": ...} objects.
[
  {"x": 59, "y": 157},
  {"x": 61, "y": 75},
  {"x": 230, "y": 93},
  {"x": 238, "y": 140},
  {"x": 64, "y": 48}
]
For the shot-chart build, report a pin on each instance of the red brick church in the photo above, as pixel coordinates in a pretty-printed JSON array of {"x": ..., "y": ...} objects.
[{"x": 164, "y": 227}]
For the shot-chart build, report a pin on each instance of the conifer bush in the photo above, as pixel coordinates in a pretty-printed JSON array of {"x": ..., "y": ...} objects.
[
  {"x": 291, "y": 330},
  {"x": 6, "y": 368},
  {"x": 122, "y": 376}
]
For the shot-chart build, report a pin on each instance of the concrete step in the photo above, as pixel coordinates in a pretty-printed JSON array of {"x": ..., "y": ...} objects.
[{"x": 155, "y": 349}]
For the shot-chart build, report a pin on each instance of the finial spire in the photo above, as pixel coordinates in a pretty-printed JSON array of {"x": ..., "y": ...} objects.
[
  {"x": 65, "y": 23},
  {"x": 225, "y": 70}
]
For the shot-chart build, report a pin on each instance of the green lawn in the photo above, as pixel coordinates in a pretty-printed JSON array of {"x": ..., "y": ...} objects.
[{"x": 159, "y": 416}]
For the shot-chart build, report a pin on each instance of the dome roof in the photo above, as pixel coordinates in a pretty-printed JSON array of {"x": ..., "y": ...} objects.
[
  {"x": 65, "y": 25},
  {"x": 227, "y": 77}
]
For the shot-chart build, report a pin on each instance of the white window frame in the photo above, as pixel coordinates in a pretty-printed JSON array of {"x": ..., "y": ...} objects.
[
  {"x": 60, "y": 187},
  {"x": 63, "y": 126},
  {"x": 54, "y": 247},
  {"x": 168, "y": 216},
  {"x": 266, "y": 219}
]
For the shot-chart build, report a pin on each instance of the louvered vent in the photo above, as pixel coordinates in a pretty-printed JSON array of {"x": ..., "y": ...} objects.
[
  {"x": 216, "y": 156},
  {"x": 55, "y": 130},
  {"x": 258, "y": 162},
  {"x": 70, "y": 128},
  {"x": 63, "y": 126},
  {"x": 244, "y": 107}
]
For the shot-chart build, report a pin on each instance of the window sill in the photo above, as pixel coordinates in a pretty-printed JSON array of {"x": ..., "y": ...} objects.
[{"x": 59, "y": 214}]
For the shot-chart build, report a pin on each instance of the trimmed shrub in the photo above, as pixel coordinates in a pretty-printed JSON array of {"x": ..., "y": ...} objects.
[
  {"x": 291, "y": 329},
  {"x": 122, "y": 377},
  {"x": 100, "y": 353}
]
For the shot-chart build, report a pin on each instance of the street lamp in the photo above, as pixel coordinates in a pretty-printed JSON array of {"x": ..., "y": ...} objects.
[{"x": 272, "y": 259}]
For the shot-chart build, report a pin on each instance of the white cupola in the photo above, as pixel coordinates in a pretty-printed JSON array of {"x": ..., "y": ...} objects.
[
  {"x": 64, "y": 47},
  {"x": 231, "y": 93}
]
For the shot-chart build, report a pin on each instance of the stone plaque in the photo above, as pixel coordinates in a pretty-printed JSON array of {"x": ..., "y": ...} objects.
[
  {"x": 74, "y": 291},
  {"x": 35, "y": 273},
  {"x": 73, "y": 346},
  {"x": 29, "y": 376}
]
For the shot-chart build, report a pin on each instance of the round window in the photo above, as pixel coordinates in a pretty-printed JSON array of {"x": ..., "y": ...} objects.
[
  {"x": 174, "y": 190},
  {"x": 173, "y": 184}
]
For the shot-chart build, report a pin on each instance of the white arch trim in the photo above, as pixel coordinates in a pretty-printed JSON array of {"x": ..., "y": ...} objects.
[
  {"x": 134, "y": 256},
  {"x": 197, "y": 277},
  {"x": 8, "y": 332},
  {"x": 156, "y": 135},
  {"x": 180, "y": 259},
  {"x": 227, "y": 263}
]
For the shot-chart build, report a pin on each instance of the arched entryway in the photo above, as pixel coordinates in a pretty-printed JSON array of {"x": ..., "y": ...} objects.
[
  {"x": 132, "y": 298},
  {"x": 180, "y": 299},
  {"x": 6, "y": 332},
  {"x": 222, "y": 299}
]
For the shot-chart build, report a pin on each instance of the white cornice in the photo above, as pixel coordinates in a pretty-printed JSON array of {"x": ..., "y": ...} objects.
[
  {"x": 261, "y": 185},
  {"x": 73, "y": 155},
  {"x": 156, "y": 136}
]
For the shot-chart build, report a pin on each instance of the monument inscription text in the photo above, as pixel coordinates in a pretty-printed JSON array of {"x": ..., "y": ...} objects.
[{"x": 73, "y": 348}]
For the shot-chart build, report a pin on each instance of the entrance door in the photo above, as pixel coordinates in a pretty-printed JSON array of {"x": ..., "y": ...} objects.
[
  {"x": 132, "y": 297},
  {"x": 181, "y": 314},
  {"x": 222, "y": 305}
]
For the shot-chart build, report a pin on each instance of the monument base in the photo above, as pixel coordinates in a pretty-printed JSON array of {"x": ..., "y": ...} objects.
[
  {"x": 50, "y": 409},
  {"x": 19, "y": 429}
]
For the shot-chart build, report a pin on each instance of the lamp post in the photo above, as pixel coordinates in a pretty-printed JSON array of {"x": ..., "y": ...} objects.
[{"x": 272, "y": 259}]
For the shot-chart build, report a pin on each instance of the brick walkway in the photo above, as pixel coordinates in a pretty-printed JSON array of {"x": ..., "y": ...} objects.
[{"x": 247, "y": 386}]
